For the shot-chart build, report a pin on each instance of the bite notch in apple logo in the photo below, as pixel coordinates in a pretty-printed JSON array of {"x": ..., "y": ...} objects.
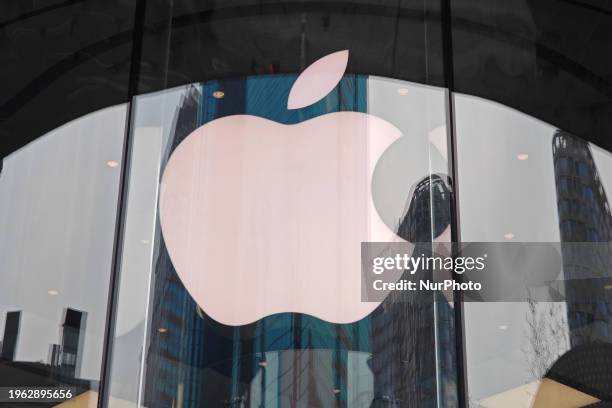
[{"x": 261, "y": 218}]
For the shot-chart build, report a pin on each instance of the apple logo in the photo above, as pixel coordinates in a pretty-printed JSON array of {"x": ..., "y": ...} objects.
[{"x": 262, "y": 218}]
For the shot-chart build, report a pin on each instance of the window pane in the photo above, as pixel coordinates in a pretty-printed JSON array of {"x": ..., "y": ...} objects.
[
  {"x": 522, "y": 180},
  {"x": 58, "y": 203}
]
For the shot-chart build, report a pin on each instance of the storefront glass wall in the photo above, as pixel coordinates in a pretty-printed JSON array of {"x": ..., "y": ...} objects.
[{"x": 90, "y": 295}]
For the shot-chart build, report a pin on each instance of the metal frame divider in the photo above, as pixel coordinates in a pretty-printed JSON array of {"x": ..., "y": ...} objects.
[
  {"x": 449, "y": 79},
  {"x": 109, "y": 330}
]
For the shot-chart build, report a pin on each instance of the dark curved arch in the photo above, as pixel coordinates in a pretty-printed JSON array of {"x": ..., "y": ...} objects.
[
  {"x": 39, "y": 12},
  {"x": 596, "y": 82},
  {"x": 588, "y": 6},
  {"x": 84, "y": 54}
]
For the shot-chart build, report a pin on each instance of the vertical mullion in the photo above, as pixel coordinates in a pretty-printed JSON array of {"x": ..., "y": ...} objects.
[
  {"x": 109, "y": 330},
  {"x": 447, "y": 47}
]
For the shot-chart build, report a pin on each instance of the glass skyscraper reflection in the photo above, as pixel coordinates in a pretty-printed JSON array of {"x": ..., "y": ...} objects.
[{"x": 584, "y": 216}]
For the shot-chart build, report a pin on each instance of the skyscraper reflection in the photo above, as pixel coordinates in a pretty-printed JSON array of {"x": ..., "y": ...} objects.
[
  {"x": 584, "y": 216},
  {"x": 63, "y": 366}
]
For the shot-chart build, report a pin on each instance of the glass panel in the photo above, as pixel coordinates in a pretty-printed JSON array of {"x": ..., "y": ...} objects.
[
  {"x": 522, "y": 180},
  {"x": 58, "y": 204},
  {"x": 172, "y": 349}
]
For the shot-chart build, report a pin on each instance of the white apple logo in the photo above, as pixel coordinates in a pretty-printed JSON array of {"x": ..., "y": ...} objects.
[{"x": 261, "y": 217}]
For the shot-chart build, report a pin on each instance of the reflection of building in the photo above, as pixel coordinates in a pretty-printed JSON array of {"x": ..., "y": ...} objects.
[
  {"x": 174, "y": 316},
  {"x": 430, "y": 196},
  {"x": 67, "y": 356},
  {"x": 64, "y": 361},
  {"x": 584, "y": 211},
  {"x": 584, "y": 216},
  {"x": 404, "y": 357},
  {"x": 73, "y": 332},
  {"x": 10, "y": 337}
]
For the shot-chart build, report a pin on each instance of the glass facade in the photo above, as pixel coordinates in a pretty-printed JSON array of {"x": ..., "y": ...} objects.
[{"x": 173, "y": 233}]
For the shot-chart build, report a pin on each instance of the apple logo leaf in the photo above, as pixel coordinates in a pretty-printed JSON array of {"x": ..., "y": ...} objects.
[{"x": 318, "y": 80}]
